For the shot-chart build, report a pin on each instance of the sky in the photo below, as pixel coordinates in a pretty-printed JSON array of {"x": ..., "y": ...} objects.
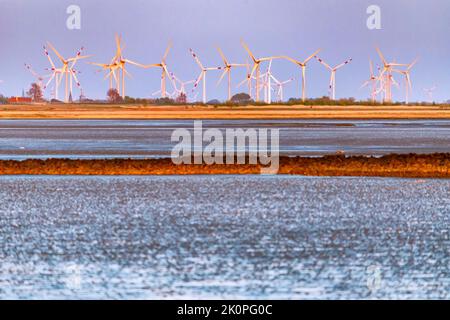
[{"x": 409, "y": 29}]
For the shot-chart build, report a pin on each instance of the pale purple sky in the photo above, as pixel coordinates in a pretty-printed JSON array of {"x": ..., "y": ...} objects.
[{"x": 410, "y": 29}]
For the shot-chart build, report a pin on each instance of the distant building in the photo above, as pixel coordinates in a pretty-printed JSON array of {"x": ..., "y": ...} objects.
[{"x": 19, "y": 100}]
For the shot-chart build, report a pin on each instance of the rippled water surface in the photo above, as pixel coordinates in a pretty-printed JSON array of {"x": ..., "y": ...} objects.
[
  {"x": 22, "y": 139},
  {"x": 224, "y": 237}
]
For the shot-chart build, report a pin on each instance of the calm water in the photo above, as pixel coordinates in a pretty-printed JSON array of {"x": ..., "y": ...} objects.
[
  {"x": 224, "y": 237},
  {"x": 20, "y": 139}
]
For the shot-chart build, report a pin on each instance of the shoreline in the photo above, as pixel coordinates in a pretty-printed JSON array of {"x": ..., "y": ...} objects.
[
  {"x": 190, "y": 112},
  {"x": 395, "y": 165}
]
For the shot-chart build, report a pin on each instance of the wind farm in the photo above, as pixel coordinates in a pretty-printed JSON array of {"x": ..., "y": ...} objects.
[
  {"x": 246, "y": 150},
  {"x": 380, "y": 82}
]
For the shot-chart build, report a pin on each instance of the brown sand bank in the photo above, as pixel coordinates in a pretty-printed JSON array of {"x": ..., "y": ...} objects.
[
  {"x": 413, "y": 166},
  {"x": 104, "y": 111}
]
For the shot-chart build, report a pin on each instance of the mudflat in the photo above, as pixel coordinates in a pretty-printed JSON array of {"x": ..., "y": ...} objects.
[
  {"x": 405, "y": 166},
  {"x": 107, "y": 111}
]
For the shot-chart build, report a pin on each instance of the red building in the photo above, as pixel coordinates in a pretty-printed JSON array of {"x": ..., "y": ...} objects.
[{"x": 19, "y": 100}]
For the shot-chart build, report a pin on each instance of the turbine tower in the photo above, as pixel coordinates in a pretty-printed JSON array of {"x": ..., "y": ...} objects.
[
  {"x": 247, "y": 80},
  {"x": 67, "y": 71},
  {"x": 302, "y": 65},
  {"x": 227, "y": 71},
  {"x": 406, "y": 74},
  {"x": 121, "y": 61},
  {"x": 164, "y": 71},
  {"x": 429, "y": 92},
  {"x": 280, "y": 86},
  {"x": 202, "y": 75},
  {"x": 332, "y": 87},
  {"x": 372, "y": 81},
  {"x": 387, "y": 73},
  {"x": 256, "y": 66}
]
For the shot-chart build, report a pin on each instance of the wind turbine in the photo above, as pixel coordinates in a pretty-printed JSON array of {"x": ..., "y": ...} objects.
[
  {"x": 387, "y": 71},
  {"x": 39, "y": 78},
  {"x": 182, "y": 84},
  {"x": 332, "y": 86},
  {"x": 280, "y": 85},
  {"x": 67, "y": 70},
  {"x": 302, "y": 64},
  {"x": 247, "y": 80},
  {"x": 227, "y": 71},
  {"x": 202, "y": 75},
  {"x": 121, "y": 61},
  {"x": 406, "y": 74},
  {"x": 164, "y": 71},
  {"x": 56, "y": 74},
  {"x": 373, "y": 81},
  {"x": 256, "y": 66},
  {"x": 429, "y": 92},
  {"x": 112, "y": 70}
]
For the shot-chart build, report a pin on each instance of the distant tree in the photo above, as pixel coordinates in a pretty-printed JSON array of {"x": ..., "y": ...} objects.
[
  {"x": 241, "y": 98},
  {"x": 213, "y": 101},
  {"x": 113, "y": 96},
  {"x": 129, "y": 99},
  {"x": 35, "y": 92},
  {"x": 164, "y": 101},
  {"x": 181, "y": 99},
  {"x": 3, "y": 99}
]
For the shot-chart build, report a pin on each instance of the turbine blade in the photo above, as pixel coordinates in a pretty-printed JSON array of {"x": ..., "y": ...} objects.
[
  {"x": 167, "y": 51},
  {"x": 223, "y": 56},
  {"x": 248, "y": 51},
  {"x": 381, "y": 56},
  {"x": 221, "y": 77},
  {"x": 311, "y": 56},
  {"x": 292, "y": 60},
  {"x": 76, "y": 80},
  {"x": 196, "y": 59},
  {"x": 198, "y": 80},
  {"x": 343, "y": 64},
  {"x": 413, "y": 64},
  {"x": 118, "y": 48},
  {"x": 48, "y": 57},
  {"x": 56, "y": 52},
  {"x": 323, "y": 63},
  {"x": 135, "y": 63}
]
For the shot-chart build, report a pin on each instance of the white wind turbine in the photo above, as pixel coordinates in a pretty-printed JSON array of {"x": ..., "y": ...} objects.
[
  {"x": 111, "y": 72},
  {"x": 387, "y": 73},
  {"x": 202, "y": 75},
  {"x": 247, "y": 80},
  {"x": 67, "y": 71},
  {"x": 302, "y": 65},
  {"x": 121, "y": 61},
  {"x": 332, "y": 87},
  {"x": 406, "y": 74},
  {"x": 40, "y": 79},
  {"x": 164, "y": 71},
  {"x": 280, "y": 85},
  {"x": 372, "y": 81},
  {"x": 56, "y": 74},
  {"x": 429, "y": 92},
  {"x": 227, "y": 71},
  {"x": 181, "y": 83},
  {"x": 267, "y": 83},
  {"x": 256, "y": 66}
]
